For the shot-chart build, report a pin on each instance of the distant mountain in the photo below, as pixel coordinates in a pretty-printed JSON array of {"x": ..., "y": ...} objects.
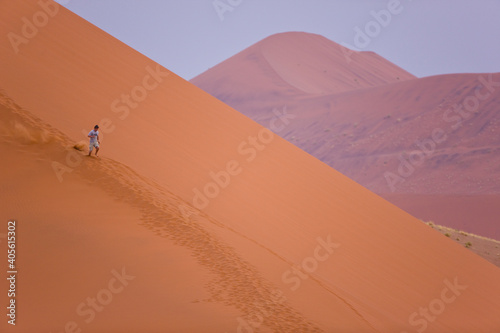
[
  {"x": 420, "y": 143},
  {"x": 297, "y": 64}
]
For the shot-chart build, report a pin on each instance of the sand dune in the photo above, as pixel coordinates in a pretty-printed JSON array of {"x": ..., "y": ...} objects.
[
  {"x": 413, "y": 141},
  {"x": 297, "y": 64},
  {"x": 280, "y": 243}
]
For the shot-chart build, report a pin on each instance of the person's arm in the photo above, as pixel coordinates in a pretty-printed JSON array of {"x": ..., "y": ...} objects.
[{"x": 98, "y": 139}]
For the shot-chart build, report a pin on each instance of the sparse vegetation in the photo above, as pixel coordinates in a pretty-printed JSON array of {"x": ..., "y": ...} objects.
[{"x": 484, "y": 247}]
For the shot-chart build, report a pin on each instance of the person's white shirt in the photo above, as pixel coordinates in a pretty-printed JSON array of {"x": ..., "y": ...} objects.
[{"x": 93, "y": 136}]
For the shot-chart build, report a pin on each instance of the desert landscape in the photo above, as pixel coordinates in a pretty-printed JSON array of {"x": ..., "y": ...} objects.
[
  {"x": 428, "y": 145},
  {"x": 202, "y": 216}
]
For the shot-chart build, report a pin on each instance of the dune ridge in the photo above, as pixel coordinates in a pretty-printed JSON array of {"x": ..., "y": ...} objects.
[{"x": 285, "y": 65}]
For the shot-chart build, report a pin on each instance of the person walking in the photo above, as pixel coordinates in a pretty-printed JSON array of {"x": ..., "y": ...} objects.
[{"x": 94, "y": 140}]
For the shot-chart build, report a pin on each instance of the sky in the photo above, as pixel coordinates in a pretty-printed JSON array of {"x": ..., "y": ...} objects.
[{"x": 424, "y": 37}]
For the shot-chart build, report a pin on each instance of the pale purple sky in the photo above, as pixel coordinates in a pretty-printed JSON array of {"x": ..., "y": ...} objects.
[{"x": 425, "y": 37}]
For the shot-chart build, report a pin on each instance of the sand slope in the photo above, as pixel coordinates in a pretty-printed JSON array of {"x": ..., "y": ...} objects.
[
  {"x": 282, "y": 242},
  {"x": 74, "y": 236},
  {"x": 414, "y": 141}
]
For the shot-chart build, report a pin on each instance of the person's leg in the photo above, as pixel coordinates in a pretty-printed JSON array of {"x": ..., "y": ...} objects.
[
  {"x": 91, "y": 146},
  {"x": 96, "y": 150}
]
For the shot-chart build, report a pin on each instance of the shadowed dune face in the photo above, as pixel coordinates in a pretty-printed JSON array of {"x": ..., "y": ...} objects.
[
  {"x": 285, "y": 243},
  {"x": 315, "y": 65},
  {"x": 411, "y": 140}
]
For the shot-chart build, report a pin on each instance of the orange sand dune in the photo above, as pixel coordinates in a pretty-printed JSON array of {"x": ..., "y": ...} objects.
[
  {"x": 76, "y": 236},
  {"x": 425, "y": 138},
  {"x": 279, "y": 241}
]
